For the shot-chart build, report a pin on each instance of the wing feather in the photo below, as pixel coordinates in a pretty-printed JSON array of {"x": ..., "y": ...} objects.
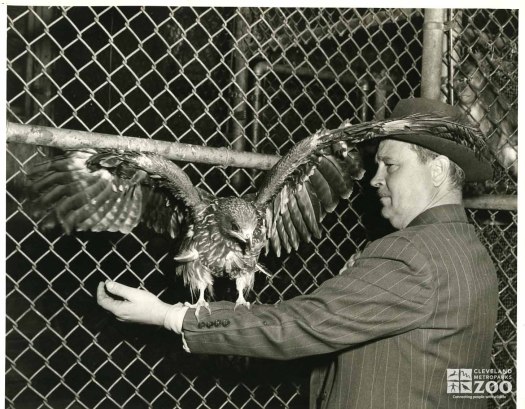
[
  {"x": 326, "y": 194},
  {"x": 113, "y": 191},
  {"x": 270, "y": 232},
  {"x": 332, "y": 173},
  {"x": 90, "y": 215},
  {"x": 275, "y": 242},
  {"x": 107, "y": 223},
  {"x": 293, "y": 237},
  {"x": 82, "y": 204},
  {"x": 129, "y": 213},
  {"x": 310, "y": 208},
  {"x": 66, "y": 163},
  {"x": 276, "y": 208},
  {"x": 282, "y": 234},
  {"x": 297, "y": 219},
  {"x": 68, "y": 203},
  {"x": 65, "y": 180}
]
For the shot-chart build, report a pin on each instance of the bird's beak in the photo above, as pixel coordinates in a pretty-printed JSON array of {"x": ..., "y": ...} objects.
[
  {"x": 246, "y": 237},
  {"x": 249, "y": 241}
]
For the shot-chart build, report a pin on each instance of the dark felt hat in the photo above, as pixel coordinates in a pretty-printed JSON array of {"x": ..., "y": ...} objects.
[{"x": 460, "y": 150}]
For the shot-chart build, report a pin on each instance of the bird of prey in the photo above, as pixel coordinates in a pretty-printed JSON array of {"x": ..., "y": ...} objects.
[{"x": 104, "y": 190}]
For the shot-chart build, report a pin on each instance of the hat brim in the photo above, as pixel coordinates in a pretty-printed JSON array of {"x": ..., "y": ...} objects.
[{"x": 476, "y": 168}]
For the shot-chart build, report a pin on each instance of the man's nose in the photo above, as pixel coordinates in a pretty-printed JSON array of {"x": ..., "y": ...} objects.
[{"x": 378, "y": 179}]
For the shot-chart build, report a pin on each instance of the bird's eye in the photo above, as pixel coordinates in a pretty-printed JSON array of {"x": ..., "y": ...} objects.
[{"x": 235, "y": 226}]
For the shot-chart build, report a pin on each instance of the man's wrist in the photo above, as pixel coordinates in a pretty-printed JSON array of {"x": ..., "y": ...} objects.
[{"x": 174, "y": 318}]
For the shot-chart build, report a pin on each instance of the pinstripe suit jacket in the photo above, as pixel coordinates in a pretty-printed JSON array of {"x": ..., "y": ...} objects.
[{"x": 415, "y": 303}]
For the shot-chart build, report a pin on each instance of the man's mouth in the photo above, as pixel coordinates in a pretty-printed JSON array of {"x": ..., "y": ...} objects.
[{"x": 384, "y": 197}]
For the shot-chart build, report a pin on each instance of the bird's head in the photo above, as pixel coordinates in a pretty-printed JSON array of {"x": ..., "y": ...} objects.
[{"x": 237, "y": 219}]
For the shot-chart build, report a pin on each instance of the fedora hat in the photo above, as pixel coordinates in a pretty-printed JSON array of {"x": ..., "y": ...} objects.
[{"x": 450, "y": 134}]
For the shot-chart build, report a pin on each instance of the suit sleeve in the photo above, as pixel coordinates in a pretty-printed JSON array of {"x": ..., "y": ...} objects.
[{"x": 389, "y": 290}]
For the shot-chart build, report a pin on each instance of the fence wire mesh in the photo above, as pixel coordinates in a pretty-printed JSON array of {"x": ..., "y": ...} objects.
[{"x": 251, "y": 79}]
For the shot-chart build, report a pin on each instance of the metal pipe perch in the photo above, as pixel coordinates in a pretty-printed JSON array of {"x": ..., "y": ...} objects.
[{"x": 72, "y": 139}]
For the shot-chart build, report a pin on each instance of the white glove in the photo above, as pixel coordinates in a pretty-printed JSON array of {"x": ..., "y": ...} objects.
[
  {"x": 140, "y": 306},
  {"x": 350, "y": 262}
]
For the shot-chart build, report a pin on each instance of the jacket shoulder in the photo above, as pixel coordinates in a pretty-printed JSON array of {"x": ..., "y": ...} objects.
[{"x": 392, "y": 245}]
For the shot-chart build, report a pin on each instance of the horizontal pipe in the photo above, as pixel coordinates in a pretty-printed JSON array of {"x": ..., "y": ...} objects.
[
  {"x": 494, "y": 202},
  {"x": 263, "y": 67},
  {"x": 72, "y": 139}
]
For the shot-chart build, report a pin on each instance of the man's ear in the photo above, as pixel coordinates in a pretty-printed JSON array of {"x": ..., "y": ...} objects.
[{"x": 439, "y": 169}]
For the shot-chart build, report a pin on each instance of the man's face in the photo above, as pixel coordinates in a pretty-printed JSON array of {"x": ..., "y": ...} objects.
[{"x": 404, "y": 183}]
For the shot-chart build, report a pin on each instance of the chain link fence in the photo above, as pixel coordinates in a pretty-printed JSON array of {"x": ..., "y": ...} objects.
[{"x": 254, "y": 79}]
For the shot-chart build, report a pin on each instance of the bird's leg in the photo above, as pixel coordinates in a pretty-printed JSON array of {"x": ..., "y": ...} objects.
[
  {"x": 241, "y": 283},
  {"x": 201, "y": 302}
]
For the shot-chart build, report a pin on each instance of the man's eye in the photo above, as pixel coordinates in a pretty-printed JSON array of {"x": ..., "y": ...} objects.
[{"x": 390, "y": 167}]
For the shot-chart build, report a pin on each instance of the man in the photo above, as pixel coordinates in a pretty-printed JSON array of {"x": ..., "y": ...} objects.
[{"x": 415, "y": 303}]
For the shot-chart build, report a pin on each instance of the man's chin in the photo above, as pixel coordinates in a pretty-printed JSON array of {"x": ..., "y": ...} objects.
[{"x": 387, "y": 214}]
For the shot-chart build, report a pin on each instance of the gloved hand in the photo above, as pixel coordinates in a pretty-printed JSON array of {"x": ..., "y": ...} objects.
[{"x": 140, "y": 306}]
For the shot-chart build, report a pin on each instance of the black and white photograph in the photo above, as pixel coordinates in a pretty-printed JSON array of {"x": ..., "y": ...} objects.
[{"x": 261, "y": 206}]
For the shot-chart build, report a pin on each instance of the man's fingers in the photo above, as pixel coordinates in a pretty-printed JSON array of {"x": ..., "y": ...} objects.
[
  {"x": 101, "y": 294},
  {"x": 137, "y": 305},
  {"x": 105, "y": 301},
  {"x": 128, "y": 293}
]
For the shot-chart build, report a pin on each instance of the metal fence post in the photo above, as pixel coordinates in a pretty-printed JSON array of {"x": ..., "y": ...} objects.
[{"x": 432, "y": 53}]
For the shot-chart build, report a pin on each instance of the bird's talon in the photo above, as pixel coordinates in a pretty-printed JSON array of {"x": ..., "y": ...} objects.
[
  {"x": 245, "y": 303},
  {"x": 198, "y": 305}
]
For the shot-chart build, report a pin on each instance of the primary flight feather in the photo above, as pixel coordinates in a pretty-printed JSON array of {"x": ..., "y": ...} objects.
[{"x": 219, "y": 236}]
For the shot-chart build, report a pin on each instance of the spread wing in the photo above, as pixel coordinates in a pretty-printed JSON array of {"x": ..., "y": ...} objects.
[
  {"x": 112, "y": 191},
  {"x": 311, "y": 178},
  {"x": 302, "y": 187}
]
